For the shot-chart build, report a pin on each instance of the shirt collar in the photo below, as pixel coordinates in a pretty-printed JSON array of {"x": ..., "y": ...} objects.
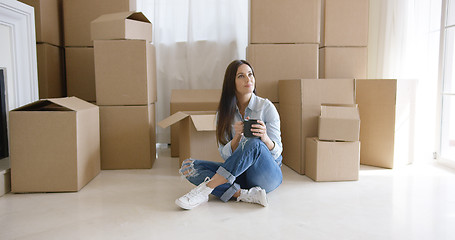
[{"x": 252, "y": 103}]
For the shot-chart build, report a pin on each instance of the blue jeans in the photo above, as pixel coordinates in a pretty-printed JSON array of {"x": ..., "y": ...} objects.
[{"x": 250, "y": 165}]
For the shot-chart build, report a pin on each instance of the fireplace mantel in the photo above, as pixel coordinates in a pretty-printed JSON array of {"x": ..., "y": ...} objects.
[
  {"x": 22, "y": 77},
  {"x": 18, "y": 57}
]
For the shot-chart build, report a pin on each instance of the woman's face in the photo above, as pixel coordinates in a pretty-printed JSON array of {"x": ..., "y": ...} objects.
[{"x": 244, "y": 80}]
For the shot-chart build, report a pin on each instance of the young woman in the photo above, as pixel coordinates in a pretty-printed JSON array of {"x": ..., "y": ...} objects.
[{"x": 252, "y": 166}]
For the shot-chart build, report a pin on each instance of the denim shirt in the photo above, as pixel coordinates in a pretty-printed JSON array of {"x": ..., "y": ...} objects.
[{"x": 263, "y": 109}]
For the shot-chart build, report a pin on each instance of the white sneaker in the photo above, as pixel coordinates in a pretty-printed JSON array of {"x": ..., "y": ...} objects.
[
  {"x": 253, "y": 195},
  {"x": 195, "y": 197}
]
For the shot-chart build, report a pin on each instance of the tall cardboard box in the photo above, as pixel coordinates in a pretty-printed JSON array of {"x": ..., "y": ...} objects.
[
  {"x": 48, "y": 21},
  {"x": 300, "y": 108},
  {"x": 197, "y": 135},
  {"x": 339, "y": 123},
  {"x": 122, "y": 25},
  {"x": 285, "y": 21},
  {"x": 54, "y": 145},
  {"x": 332, "y": 161},
  {"x": 273, "y": 62},
  {"x": 80, "y": 73},
  {"x": 344, "y": 23},
  {"x": 127, "y": 137},
  {"x": 191, "y": 100},
  {"x": 387, "y": 111},
  {"x": 343, "y": 62},
  {"x": 78, "y": 14},
  {"x": 51, "y": 77},
  {"x": 125, "y": 72}
]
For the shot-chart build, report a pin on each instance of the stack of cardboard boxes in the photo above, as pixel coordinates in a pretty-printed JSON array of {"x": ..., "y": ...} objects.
[
  {"x": 344, "y": 39},
  {"x": 80, "y": 68},
  {"x": 49, "y": 47},
  {"x": 300, "y": 108},
  {"x": 335, "y": 154},
  {"x": 125, "y": 70},
  {"x": 283, "y": 42}
]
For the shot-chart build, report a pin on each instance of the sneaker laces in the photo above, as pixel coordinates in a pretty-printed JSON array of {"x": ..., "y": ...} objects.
[{"x": 196, "y": 191}]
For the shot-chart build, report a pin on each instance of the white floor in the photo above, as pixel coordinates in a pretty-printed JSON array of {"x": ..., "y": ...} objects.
[{"x": 415, "y": 202}]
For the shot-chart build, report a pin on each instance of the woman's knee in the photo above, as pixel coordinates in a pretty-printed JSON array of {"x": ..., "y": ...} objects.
[
  {"x": 251, "y": 143},
  {"x": 187, "y": 169}
]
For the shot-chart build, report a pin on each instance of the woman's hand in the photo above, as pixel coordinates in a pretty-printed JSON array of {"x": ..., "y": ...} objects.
[
  {"x": 260, "y": 130},
  {"x": 238, "y": 128}
]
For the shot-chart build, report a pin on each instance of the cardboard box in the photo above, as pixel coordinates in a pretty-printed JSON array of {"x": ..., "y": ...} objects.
[
  {"x": 54, "y": 145},
  {"x": 51, "y": 77},
  {"x": 48, "y": 21},
  {"x": 125, "y": 72},
  {"x": 344, "y": 23},
  {"x": 285, "y": 21},
  {"x": 127, "y": 137},
  {"x": 273, "y": 62},
  {"x": 343, "y": 62},
  {"x": 197, "y": 135},
  {"x": 191, "y": 100},
  {"x": 122, "y": 25},
  {"x": 332, "y": 161},
  {"x": 300, "y": 108},
  {"x": 387, "y": 111},
  {"x": 80, "y": 73},
  {"x": 339, "y": 123},
  {"x": 78, "y": 14}
]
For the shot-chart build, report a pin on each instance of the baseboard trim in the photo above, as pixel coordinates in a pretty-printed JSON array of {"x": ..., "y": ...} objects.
[{"x": 5, "y": 181}]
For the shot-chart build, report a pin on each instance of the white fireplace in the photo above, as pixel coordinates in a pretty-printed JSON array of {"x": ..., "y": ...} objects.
[{"x": 18, "y": 59}]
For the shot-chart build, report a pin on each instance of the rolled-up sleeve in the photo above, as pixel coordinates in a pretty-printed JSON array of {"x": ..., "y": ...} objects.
[
  {"x": 273, "y": 130},
  {"x": 225, "y": 150}
]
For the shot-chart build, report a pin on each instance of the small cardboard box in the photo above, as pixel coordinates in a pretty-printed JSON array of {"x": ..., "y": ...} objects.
[
  {"x": 127, "y": 137},
  {"x": 343, "y": 62},
  {"x": 54, "y": 145},
  {"x": 122, "y": 25},
  {"x": 48, "y": 21},
  {"x": 285, "y": 21},
  {"x": 339, "y": 123},
  {"x": 78, "y": 14},
  {"x": 273, "y": 62},
  {"x": 332, "y": 161},
  {"x": 197, "y": 135},
  {"x": 125, "y": 72},
  {"x": 191, "y": 100},
  {"x": 387, "y": 110},
  {"x": 300, "y": 108},
  {"x": 51, "y": 77},
  {"x": 344, "y": 23},
  {"x": 80, "y": 73}
]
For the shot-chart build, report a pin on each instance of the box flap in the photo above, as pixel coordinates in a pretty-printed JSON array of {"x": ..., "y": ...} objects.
[
  {"x": 57, "y": 104},
  {"x": 340, "y": 112},
  {"x": 174, "y": 118},
  {"x": 136, "y": 16},
  {"x": 72, "y": 103},
  {"x": 204, "y": 122}
]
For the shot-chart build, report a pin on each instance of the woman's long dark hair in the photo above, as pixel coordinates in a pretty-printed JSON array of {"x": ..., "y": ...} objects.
[{"x": 226, "y": 107}]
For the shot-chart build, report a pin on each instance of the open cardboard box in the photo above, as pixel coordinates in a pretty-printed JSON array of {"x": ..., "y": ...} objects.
[
  {"x": 122, "y": 25},
  {"x": 197, "y": 135},
  {"x": 54, "y": 145},
  {"x": 191, "y": 100}
]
